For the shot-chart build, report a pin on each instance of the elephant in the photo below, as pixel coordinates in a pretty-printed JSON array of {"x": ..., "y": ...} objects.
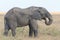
[{"x": 18, "y": 17}]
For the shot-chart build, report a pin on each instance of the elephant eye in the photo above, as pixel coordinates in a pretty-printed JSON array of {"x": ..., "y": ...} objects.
[{"x": 38, "y": 11}]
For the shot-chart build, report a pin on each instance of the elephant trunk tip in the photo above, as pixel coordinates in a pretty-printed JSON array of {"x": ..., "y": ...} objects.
[{"x": 49, "y": 22}]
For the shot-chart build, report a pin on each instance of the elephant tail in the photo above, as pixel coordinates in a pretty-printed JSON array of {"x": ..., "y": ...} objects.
[{"x": 6, "y": 24}]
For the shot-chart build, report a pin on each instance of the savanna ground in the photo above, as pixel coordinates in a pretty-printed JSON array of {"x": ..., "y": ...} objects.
[{"x": 51, "y": 32}]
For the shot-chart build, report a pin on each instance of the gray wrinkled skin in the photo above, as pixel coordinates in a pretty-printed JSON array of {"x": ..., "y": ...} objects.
[{"x": 17, "y": 17}]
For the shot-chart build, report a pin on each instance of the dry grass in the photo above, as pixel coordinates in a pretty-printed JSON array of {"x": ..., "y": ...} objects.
[{"x": 51, "y": 32}]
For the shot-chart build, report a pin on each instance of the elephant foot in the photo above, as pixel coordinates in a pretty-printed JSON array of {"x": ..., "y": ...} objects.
[
  {"x": 13, "y": 34},
  {"x": 5, "y": 34},
  {"x": 35, "y": 33},
  {"x": 30, "y": 34}
]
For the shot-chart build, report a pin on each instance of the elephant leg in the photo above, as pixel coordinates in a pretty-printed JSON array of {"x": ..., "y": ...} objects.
[
  {"x": 13, "y": 26},
  {"x": 6, "y": 29},
  {"x": 34, "y": 27},
  {"x": 30, "y": 30},
  {"x": 35, "y": 32},
  {"x": 13, "y": 31}
]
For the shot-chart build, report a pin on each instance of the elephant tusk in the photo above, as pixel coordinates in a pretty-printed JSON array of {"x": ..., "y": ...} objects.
[{"x": 48, "y": 21}]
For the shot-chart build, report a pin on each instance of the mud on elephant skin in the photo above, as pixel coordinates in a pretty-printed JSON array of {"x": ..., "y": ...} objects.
[{"x": 23, "y": 17}]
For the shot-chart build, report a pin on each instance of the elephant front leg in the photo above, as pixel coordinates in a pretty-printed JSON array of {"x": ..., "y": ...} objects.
[
  {"x": 30, "y": 31},
  {"x": 35, "y": 32},
  {"x": 34, "y": 27}
]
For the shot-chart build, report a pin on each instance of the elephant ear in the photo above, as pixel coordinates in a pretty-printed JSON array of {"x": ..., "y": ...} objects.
[{"x": 36, "y": 15}]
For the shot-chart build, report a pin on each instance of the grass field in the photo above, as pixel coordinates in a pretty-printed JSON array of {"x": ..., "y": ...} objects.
[{"x": 51, "y": 32}]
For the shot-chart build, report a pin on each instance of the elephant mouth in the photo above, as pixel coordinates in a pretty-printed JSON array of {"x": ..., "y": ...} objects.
[{"x": 48, "y": 21}]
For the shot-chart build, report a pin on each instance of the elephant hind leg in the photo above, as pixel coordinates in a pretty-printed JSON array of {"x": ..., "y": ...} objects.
[
  {"x": 13, "y": 25},
  {"x": 13, "y": 28},
  {"x": 7, "y": 28},
  {"x": 13, "y": 31}
]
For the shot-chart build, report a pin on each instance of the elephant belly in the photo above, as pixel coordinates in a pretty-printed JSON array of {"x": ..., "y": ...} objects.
[{"x": 23, "y": 22}]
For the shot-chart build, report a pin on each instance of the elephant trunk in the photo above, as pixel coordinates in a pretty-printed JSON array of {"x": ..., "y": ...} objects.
[{"x": 48, "y": 21}]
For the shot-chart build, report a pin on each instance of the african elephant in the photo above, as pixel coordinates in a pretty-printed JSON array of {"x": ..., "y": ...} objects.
[{"x": 18, "y": 17}]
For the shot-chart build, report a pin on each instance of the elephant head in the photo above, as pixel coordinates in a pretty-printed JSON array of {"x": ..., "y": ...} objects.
[
  {"x": 45, "y": 15},
  {"x": 42, "y": 13}
]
